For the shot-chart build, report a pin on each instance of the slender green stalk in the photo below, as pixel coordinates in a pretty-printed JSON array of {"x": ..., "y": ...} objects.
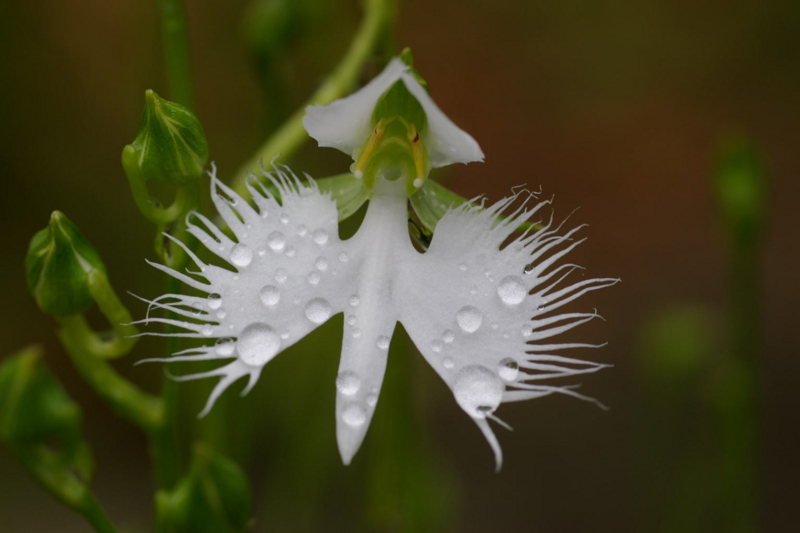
[
  {"x": 65, "y": 487},
  {"x": 176, "y": 52},
  {"x": 142, "y": 409},
  {"x": 291, "y": 136}
]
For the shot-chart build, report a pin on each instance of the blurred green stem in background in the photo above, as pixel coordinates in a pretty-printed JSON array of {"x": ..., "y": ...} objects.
[
  {"x": 740, "y": 187},
  {"x": 378, "y": 15},
  {"x": 177, "y": 59}
]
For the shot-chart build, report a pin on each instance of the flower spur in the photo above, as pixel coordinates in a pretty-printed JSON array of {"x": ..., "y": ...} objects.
[{"x": 477, "y": 303}]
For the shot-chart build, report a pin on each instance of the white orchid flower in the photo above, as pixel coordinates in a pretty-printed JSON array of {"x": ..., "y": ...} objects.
[{"x": 479, "y": 308}]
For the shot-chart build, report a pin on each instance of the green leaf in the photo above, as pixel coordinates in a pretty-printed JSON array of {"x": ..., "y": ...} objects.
[
  {"x": 213, "y": 498},
  {"x": 58, "y": 265}
]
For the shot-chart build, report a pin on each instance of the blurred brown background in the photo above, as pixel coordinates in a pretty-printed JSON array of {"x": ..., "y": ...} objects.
[{"x": 615, "y": 106}]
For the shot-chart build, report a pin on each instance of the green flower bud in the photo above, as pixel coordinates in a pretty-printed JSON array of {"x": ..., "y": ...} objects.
[
  {"x": 58, "y": 265},
  {"x": 171, "y": 148},
  {"x": 33, "y": 406},
  {"x": 213, "y": 498}
]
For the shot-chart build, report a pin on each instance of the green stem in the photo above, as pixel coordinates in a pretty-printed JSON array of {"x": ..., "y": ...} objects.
[
  {"x": 176, "y": 52},
  {"x": 288, "y": 139},
  {"x": 96, "y": 516},
  {"x": 142, "y": 409}
]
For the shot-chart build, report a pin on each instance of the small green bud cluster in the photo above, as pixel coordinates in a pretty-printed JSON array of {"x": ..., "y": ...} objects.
[
  {"x": 171, "y": 147},
  {"x": 58, "y": 266}
]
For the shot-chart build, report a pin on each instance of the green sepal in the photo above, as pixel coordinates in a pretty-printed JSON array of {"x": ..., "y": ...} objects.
[
  {"x": 349, "y": 193},
  {"x": 35, "y": 413},
  {"x": 171, "y": 147},
  {"x": 214, "y": 497},
  {"x": 408, "y": 59},
  {"x": 57, "y": 267}
]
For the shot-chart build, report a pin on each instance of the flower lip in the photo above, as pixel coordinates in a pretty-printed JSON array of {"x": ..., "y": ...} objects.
[{"x": 346, "y": 124}]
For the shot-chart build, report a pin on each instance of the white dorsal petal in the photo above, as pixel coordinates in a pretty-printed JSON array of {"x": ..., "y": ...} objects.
[
  {"x": 346, "y": 124},
  {"x": 468, "y": 303},
  {"x": 445, "y": 142}
]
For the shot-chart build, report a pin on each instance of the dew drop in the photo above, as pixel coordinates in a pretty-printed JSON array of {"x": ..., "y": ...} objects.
[
  {"x": 343, "y": 257},
  {"x": 207, "y": 330},
  {"x": 469, "y": 318},
  {"x": 280, "y": 275},
  {"x": 448, "y": 336},
  {"x": 478, "y": 390},
  {"x": 354, "y": 415},
  {"x": 351, "y": 320},
  {"x": 356, "y": 333},
  {"x": 372, "y": 400},
  {"x": 302, "y": 230},
  {"x": 225, "y": 347},
  {"x": 284, "y": 218},
  {"x": 241, "y": 255},
  {"x": 321, "y": 263},
  {"x": 436, "y": 345},
  {"x": 511, "y": 290},
  {"x": 319, "y": 236},
  {"x": 527, "y": 330},
  {"x": 542, "y": 306},
  {"x": 473, "y": 290},
  {"x": 261, "y": 252},
  {"x": 257, "y": 344},
  {"x": 214, "y": 301},
  {"x": 354, "y": 300},
  {"x": 462, "y": 267},
  {"x": 448, "y": 363},
  {"x": 348, "y": 383},
  {"x": 383, "y": 342},
  {"x": 270, "y": 295},
  {"x": 221, "y": 314},
  {"x": 289, "y": 251},
  {"x": 285, "y": 334},
  {"x": 508, "y": 369},
  {"x": 318, "y": 310},
  {"x": 313, "y": 278},
  {"x": 276, "y": 240}
]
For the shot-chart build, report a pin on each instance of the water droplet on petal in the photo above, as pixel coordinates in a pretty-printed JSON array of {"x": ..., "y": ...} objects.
[
  {"x": 214, "y": 301},
  {"x": 511, "y": 290},
  {"x": 542, "y": 305},
  {"x": 351, "y": 320},
  {"x": 478, "y": 390},
  {"x": 241, "y": 255},
  {"x": 261, "y": 252},
  {"x": 383, "y": 342},
  {"x": 448, "y": 336},
  {"x": 285, "y": 334},
  {"x": 356, "y": 333},
  {"x": 321, "y": 263},
  {"x": 289, "y": 251},
  {"x": 313, "y": 278},
  {"x": 280, "y": 275},
  {"x": 318, "y": 310},
  {"x": 257, "y": 344},
  {"x": 343, "y": 257},
  {"x": 508, "y": 369},
  {"x": 436, "y": 345},
  {"x": 276, "y": 240},
  {"x": 302, "y": 230},
  {"x": 372, "y": 400},
  {"x": 354, "y": 414},
  {"x": 527, "y": 330},
  {"x": 348, "y": 383},
  {"x": 353, "y": 300},
  {"x": 270, "y": 295},
  {"x": 225, "y": 347},
  {"x": 319, "y": 236},
  {"x": 448, "y": 362},
  {"x": 284, "y": 218},
  {"x": 473, "y": 290},
  {"x": 221, "y": 314},
  {"x": 462, "y": 267},
  {"x": 207, "y": 330},
  {"x": 469, "y": 318}
]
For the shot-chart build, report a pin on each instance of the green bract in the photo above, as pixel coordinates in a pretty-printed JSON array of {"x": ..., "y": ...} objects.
[
  {"x": 58, "y": 264},
  {"x": 213, "y": 498},
  {"x": 171, "y": 148}
]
